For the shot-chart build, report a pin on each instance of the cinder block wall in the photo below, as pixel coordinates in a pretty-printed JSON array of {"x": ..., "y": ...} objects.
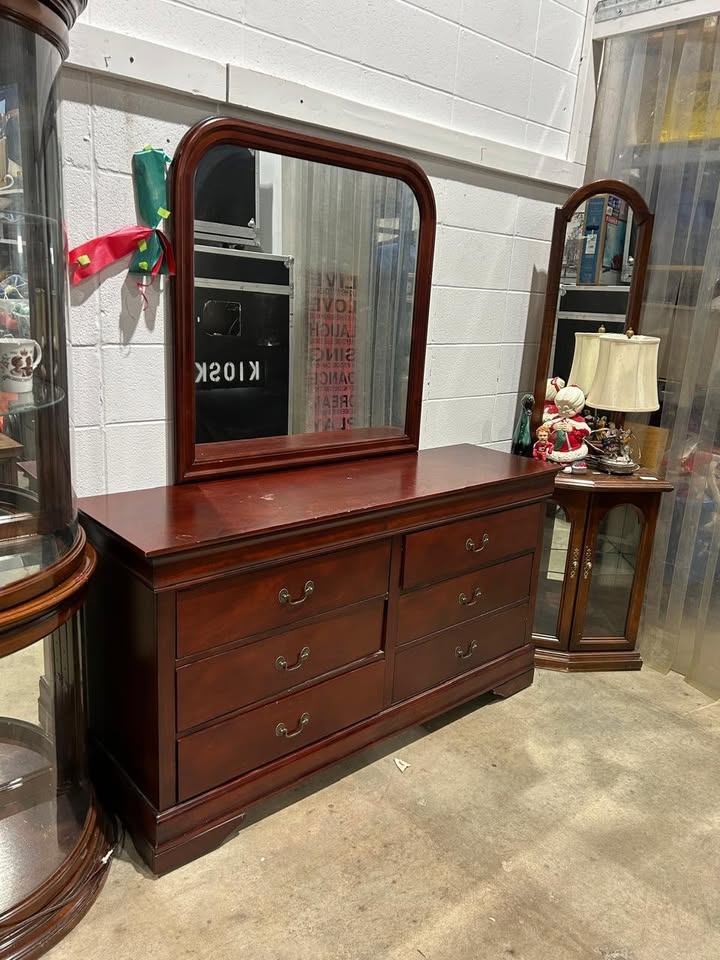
[{"x": 506, "y": 71}]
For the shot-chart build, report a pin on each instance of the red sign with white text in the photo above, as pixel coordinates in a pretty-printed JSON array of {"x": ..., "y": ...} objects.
[{"x": 331, "y": 350}]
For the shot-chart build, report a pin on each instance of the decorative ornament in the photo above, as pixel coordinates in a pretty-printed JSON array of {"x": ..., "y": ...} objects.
[
  {"x": 522, "y": 437},
  {"x": 550, "y": 410},
  {"x": 568, "y": 430},
  {"x": 543, "y": 445},
  {"x": 150, "y": 249}
]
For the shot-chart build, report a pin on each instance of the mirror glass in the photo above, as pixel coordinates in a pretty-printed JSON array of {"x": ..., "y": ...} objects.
[
  {"x": 304, "y": 281},
  {"x": 595, "y": 278}
]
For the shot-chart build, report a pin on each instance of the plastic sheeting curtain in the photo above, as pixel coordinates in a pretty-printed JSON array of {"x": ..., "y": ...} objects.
[
  {"x": 657, "y": 126},
  {"x": 353, "y": 237}
]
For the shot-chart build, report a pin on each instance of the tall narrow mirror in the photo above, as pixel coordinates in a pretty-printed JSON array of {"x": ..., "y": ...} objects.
[{"x": 596, "y": 277}]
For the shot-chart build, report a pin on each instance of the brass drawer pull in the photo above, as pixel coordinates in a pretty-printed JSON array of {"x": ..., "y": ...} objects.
[
  {"x": 282, "y": 731},
  {"x": 464, "y": 602},
  {"x": 470, "y": 544},
  {"x": 308, "y": 590},
  {"x": 282, "y": 664},
  {"x": 470, "y": 651}
]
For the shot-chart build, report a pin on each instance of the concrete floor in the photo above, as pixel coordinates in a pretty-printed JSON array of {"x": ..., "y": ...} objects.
[{"x": 577, "y": 820}]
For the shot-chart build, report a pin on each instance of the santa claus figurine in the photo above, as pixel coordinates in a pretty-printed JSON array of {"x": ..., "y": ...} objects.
[
  {"x": 550, "y": 409},
  {"x": 568, "y": 430}
]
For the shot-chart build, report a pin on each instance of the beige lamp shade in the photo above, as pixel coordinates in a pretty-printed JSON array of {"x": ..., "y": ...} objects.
[
  {"x": 626, "y": 375},
  {"x": 585, "y": 360}
]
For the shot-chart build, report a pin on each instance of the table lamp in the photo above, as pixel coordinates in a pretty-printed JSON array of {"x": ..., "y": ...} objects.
[
  {"x": 625, "y": 381},
  {"x": 585, "y": 358}
]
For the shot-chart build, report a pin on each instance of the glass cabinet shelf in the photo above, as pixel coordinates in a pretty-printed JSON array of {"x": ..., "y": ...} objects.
[{"x": 42, "y": 395}]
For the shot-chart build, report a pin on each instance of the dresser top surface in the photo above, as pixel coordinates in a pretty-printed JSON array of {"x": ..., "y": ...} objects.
[{"x": 166, "y": 520}]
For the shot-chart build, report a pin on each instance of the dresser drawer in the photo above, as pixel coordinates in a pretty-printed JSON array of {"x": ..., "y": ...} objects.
[
  {"x": 457, "y": 650},
  {"x": 468, "y": 544},
  {"x": 228, "y": 681},
  {"x": 463, "y": 598},
  {"x": 232, "y": 747},
  {"x": 277, "y": 597}
]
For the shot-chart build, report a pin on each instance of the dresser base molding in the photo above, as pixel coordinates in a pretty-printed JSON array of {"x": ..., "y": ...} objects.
[
  {"x": 570, "y": 661},
  {"x": 171, "y": 838}
]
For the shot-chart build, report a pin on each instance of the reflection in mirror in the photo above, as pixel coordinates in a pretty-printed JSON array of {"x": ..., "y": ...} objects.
[
  {"x": 303, "y": 296},
  {"x": 595, "y": 278}
]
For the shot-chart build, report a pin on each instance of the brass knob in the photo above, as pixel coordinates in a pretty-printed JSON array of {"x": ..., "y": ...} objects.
[
  {"x": 470, "y": 651},
  {"x": 285, "y": 596},
  {"x": 470, "y": 544},
  {"x": 464, "y": 602},
  {"x": 282, "y": 731},
  {"x": 282, "y": 664}
]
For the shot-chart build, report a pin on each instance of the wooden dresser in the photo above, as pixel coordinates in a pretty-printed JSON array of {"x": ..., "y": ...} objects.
[{"x": 245, "y": 633}]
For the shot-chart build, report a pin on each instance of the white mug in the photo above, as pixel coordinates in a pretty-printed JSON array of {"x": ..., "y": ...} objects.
[{"x": 18, "y": 360}]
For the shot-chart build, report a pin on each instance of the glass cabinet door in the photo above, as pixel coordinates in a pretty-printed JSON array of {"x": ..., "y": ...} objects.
[
  {"x": 609, "y": 564},
  {"x": 559, "y": 567}
]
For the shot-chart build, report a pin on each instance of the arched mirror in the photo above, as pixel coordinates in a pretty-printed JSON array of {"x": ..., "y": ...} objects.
[
  {"x": 300, "y": 302},
  {"x": 596, "y": 279}
]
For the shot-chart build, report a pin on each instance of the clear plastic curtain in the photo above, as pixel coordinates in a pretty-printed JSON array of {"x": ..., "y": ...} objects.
[
  {"x": 352, "y": 236},
  {"x": 657, "y": 126}
]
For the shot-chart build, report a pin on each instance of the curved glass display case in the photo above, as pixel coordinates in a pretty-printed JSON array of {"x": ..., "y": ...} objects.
[
  {"x": 53, "y": 840},
  {"x": 38, "y": 525}
]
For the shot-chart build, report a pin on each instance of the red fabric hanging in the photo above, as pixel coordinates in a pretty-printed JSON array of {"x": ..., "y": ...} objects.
[{"x": 100, "y": 252}]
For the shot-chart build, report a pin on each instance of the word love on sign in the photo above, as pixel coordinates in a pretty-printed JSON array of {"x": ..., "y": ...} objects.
[{"x": 231, "y": 373}]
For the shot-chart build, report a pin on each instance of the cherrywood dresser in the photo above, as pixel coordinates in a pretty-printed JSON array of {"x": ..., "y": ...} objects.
[{"x": 245, "y": 633}]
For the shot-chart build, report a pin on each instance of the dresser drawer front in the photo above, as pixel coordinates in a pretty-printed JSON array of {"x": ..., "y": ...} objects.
[
  {"x": 280, "y": 596},
  {"x": 463, "y": 598},
  {"x": 458, "y": 650},
  {"x": 233, "y": 747},
  {"x": 228, "y": 681},
  {"x": 467, "y": 545}
]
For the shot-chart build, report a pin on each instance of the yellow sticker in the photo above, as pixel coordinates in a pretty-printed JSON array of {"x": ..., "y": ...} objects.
[
  {"x": 143, "y": 265},
  {"x": 147, "y": 147},
  {"x": 162, "y": 212},
  {"x": 83, "y": 260},
  {"x": 142, "y": 246}
]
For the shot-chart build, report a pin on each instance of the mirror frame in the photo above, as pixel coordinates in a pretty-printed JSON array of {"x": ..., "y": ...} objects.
[
  {"x": 205, "y": 461},
  {"x": 643, "y": 222}
]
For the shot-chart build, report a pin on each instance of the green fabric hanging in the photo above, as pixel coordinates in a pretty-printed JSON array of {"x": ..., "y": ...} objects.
[{"x": 149, "y": 168}]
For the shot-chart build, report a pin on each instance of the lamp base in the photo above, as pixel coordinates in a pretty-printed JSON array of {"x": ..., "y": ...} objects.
[{"x": 618, "y": 466}]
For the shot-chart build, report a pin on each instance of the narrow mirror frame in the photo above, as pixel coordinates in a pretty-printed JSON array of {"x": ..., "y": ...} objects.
[{"x": 643, "y": 222}]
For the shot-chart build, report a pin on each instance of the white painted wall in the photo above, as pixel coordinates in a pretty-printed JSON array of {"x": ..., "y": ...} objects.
[{"x": 505, "y": 71}]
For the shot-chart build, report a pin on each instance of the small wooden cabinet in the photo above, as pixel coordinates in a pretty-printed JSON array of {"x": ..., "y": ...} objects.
[
  {"x": 598, "y": 535},
  {"x": 245, "y": 633}
]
